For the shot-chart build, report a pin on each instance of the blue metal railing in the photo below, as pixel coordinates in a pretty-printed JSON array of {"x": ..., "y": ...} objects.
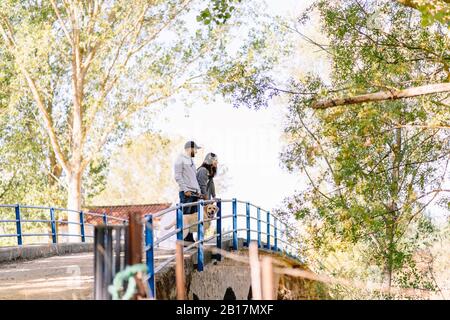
[
  {"x": 20, "y": 222},
  {"x": 280, "y": 245}
]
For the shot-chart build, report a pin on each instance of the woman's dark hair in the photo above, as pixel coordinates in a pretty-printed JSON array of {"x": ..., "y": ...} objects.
[{"x": 211, "y": 169}]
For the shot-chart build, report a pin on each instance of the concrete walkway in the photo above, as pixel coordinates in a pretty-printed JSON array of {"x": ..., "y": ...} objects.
[
  {"x": 66, "y": 277},
  {"x": 58, "y": 277}
]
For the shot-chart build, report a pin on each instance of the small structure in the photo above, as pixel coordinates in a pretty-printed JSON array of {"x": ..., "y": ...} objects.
[
  {"x": 123, "y": 211},
  {"x": 118, "y": 211}
]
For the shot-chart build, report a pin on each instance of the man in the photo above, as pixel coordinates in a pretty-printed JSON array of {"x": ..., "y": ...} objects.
[{"x": 186, "y": 178}]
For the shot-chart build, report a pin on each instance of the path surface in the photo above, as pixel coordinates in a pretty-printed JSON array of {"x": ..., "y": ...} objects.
[
  {"x": 67, "y": 277},
  {"x": 59, "y": 277}
]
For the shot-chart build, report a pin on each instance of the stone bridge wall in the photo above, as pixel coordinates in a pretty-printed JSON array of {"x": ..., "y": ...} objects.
[
  {"x": 230, "y": 280},
  {"x": 36, "y": 251}
]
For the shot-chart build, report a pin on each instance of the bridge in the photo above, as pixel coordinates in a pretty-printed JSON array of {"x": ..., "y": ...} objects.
[{"x": 216, "y": 266}]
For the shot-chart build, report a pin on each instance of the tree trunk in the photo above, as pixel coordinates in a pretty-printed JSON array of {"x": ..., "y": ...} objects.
[
  {"x": 74, "y": 203},
  {"x": 55, "y": 169},
  {"x": 74, "y": 194},
  {"x": 389, "y": 258},
  {"x": 391, "y": 222}
]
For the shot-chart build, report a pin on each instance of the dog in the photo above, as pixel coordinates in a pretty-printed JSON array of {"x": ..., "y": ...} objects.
[{"x": 209, "y": 212}]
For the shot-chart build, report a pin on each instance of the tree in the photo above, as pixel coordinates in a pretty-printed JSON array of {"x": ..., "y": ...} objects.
[
  {"x": 432, "y": 11},
  {"x": 373, "y": 163},
  {"x": 140, "y": 172},
  {"x": 376, "y": 173},
  {"x": 25, "y": 173},
  {"x": 28, "y": 172},
  {"x": 90, "y": 66}
]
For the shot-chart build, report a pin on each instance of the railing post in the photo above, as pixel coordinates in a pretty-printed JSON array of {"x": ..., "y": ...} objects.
[
  {"x": 127, "y": 241},
  {"x": 258, "y": 217},
  {"x": 18, "y": 225},
  {"x": 219, "y": 229},
  {"x": 247, "y": 216},
  {"x": 275, "y": 245},
  {"x": 200, "y": 237},
  {"x": 268, "y": 230},
  {"x": 105, "y": 219},
  {"x": 180, "y": 222},
  {"x": 53, "y": 224},
  {"x": 150, "y": 255},
  {"x": 108, "y": 256},
  {"x": 99, "y": 263},
  {"x": 235, "y": 238},
  {"x": 117, "y": 250},
  {"x": 135, "y": 234},
  {"x": 82, "y": 231}
]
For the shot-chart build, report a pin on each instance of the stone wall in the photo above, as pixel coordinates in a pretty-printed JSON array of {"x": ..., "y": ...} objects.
[
  {"x": 29, "y": 252},
  {"x": 230, "y": 280}
]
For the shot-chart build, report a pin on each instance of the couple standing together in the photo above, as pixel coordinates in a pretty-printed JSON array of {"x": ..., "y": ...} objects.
[{"x": 195, "y": 184}]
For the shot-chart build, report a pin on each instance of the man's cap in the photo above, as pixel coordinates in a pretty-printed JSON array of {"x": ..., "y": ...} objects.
[{"x": 191, "y": 144}]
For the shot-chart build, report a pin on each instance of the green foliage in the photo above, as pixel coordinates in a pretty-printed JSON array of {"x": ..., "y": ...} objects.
[
  {"x": 140, "y": 172},
  {"x": 244, "y": 78},
  {"x": 432, "y": 10},
  {"x": 374, "y": 170},
  {"x": 25, "y": 170},
  {"x": 218, "y": 12}
]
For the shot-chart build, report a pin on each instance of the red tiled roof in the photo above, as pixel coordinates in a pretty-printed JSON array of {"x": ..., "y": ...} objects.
[{"x": 122, "y": 212}]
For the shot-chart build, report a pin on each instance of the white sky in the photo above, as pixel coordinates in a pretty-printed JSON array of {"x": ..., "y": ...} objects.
[{"x": 246, "y": 141}]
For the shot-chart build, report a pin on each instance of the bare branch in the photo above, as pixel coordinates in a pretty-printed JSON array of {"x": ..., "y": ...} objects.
[
  {"x": 10, "y": 182},
  {"x": 63, "y": 26},
  {"x": 384, "y": 95},
  {"x": 431, "y": 126},
  {"x": 122, "y": 116}
]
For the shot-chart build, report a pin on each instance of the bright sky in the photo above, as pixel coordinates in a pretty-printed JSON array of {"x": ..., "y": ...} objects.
[{"x": 246, "y": 141}]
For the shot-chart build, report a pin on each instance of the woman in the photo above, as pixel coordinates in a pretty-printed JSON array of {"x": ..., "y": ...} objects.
[{"x": 205, "y": 176}]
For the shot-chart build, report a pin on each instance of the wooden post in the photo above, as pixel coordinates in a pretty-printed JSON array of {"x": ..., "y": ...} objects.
[
  {"x": 135, "y": 248},
  {"x": 179, "y": 271},
  {"x": 100, "y": 287},
  {"x": 255, "y": 270},
  {"x": 134, "y": 243},
  {"x": 267, "y": 279}
]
